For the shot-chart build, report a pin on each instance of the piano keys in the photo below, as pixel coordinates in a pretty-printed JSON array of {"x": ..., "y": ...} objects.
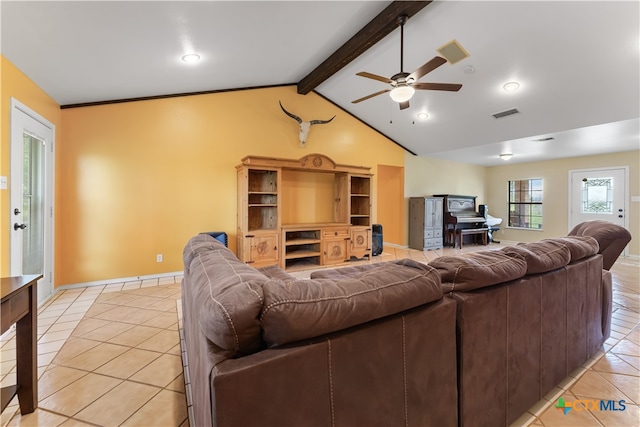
[{"x": 460, "y": 213}]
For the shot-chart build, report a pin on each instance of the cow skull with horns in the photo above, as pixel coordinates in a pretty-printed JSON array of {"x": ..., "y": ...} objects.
[{"x": 304, "y": 126}]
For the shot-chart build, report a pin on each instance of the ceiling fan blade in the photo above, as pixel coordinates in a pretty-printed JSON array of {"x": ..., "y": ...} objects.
[
  {"x": 404, "y": 105},
  {"x": 427, "y": 68},
  {"x": 370, "y": 96},
  {"x": 373, "y": 76},
  {"x": 451, "y": 87}
]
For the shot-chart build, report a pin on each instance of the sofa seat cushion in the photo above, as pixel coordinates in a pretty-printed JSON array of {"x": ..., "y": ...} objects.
[
  {"x": 478, "y": 270},
  {"x": 304, "y": 309},
  {"x": 542, "y": 256},
  {"x": 275, "y": 272},
  {"x": 350, "y": 271},
  {"x": 230, "y": 295}
]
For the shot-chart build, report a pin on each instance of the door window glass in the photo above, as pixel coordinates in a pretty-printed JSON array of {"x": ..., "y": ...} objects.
[
  {"x": 33, "y": 205},
  {"x": 597, "y": 195}
]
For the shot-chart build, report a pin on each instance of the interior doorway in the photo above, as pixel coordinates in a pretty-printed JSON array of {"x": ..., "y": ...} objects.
[
  {"x": 31, "y": 195},
  {"x": 390, "y": 205}
]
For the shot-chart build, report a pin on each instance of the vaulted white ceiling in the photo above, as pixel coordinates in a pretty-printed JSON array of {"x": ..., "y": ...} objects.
[{"x": 578, "y": 64}]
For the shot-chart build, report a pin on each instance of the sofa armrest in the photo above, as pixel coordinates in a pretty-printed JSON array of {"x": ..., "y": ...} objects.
[{"x": 611, "y": 237}]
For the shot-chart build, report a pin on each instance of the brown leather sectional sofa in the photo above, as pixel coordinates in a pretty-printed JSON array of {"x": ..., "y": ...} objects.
[{"x": 469, "y": 340}]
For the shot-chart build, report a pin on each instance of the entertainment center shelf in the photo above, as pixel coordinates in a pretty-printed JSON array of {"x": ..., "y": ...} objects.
[{"x": 263, "y": 239}]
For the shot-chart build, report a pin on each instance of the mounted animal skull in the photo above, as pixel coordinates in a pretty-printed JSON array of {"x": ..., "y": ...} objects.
[{"x": 304, "y": 126}]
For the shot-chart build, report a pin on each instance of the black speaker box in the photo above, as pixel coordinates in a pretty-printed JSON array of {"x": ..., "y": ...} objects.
[
  {"x": 483, "y": 210},
  {"x": 376, "y": 239}
]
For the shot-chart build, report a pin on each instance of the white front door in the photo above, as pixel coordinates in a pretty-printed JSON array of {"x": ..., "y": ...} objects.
[
  {"x": 598, "y": 194},
  {"x": 31, "y": 226}
]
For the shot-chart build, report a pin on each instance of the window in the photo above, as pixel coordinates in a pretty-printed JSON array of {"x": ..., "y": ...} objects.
[{"x": 525, "y": 204}]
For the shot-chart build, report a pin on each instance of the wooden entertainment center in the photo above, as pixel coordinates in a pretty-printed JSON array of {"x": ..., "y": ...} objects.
[{"x": 341, "y": 230}]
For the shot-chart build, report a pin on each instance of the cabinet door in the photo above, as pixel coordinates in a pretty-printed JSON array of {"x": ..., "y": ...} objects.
[
  {"x": 438, "y": 213},
  {"x": 429, "y": 212},
  {"x": 360, "y": 242},
  {"x": 262, "y": 249},
  {"x": 335, "y": 251},
  {"x": 416, "y": 222}
]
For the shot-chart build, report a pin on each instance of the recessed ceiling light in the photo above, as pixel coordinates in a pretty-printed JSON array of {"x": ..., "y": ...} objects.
[
  {"x": 191, "y": 58},
  {"x": 423, "y": 116},
  {"x": 511, "y": 86},
  {"x": 506, "y": 156}
]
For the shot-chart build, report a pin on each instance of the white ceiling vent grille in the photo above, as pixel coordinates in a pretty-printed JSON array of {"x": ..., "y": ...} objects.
[
  {"x": 549, "y": 138},
  {"x": 505, "y": 113}
]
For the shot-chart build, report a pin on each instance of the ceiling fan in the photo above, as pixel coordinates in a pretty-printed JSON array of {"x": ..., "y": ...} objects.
[{"x": 403, "y": 85}]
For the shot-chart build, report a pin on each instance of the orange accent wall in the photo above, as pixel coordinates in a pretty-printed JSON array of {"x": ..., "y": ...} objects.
[
  {"x": 140, "y": 178},
  {"x": 391, "y": 212},
  {"x": 13, "y": 83}
]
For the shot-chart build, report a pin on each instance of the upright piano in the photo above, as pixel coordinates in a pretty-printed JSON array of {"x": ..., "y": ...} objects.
[{"x": 460, "y": 213}]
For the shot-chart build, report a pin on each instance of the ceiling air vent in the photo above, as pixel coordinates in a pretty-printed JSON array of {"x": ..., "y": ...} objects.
[
  {"x": 505, "y": 113},
  {"x": 549, "y": 138},
  {"x": 453, "y": 52}
]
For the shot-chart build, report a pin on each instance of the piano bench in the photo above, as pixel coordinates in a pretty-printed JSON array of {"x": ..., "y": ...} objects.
[{"x": 464, "y": 231}]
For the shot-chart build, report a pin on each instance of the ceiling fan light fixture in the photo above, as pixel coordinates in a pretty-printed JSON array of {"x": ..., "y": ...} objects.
[
  {"x": 402, "y": 93},
  {"x": 506, "y": 156}
]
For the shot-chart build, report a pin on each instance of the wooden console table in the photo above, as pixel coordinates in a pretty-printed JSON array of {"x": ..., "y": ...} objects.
[{"x": 19, "y": 305}]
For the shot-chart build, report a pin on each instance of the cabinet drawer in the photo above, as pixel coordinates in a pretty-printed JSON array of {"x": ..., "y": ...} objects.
[
  {"x": 14, "y": 309},
  {"x": 428, "y": 233},
  {"x": 435, "y": 242},
  {"x": 437, "y": 233},
  {"x": 335, "y": 233}
]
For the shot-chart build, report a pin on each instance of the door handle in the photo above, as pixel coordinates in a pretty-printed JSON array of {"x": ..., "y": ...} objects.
[{"x": 17, "y": 226}]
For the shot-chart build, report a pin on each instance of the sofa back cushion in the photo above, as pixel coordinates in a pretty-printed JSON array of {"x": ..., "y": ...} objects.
[
  {"x": 580, "y": 247},
  {"x": 478, "y": 270},
  {"x": 230, "y": 295},
  {"x": 303, "y": 309},
  {"x": 612, "y": 238},
  {"x": 542, "y": 256}
]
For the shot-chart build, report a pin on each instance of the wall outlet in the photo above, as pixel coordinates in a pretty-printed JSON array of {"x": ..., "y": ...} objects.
[{"x": 159, "y": 258}]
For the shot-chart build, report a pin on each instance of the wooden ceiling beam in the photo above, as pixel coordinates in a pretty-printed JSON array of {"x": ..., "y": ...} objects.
[{"x": 369, "y": 35}]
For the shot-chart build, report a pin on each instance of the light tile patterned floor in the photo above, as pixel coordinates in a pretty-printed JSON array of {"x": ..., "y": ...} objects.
[
  {"x": 107, "y": 355},
  {"x": 613, "y": 374},
  {"x": 110, "y": 355}
]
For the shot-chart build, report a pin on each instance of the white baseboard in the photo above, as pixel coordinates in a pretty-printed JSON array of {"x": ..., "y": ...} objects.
[
  {"x": 119, "y": 280},
  {"x": 394, "y": 245}
]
